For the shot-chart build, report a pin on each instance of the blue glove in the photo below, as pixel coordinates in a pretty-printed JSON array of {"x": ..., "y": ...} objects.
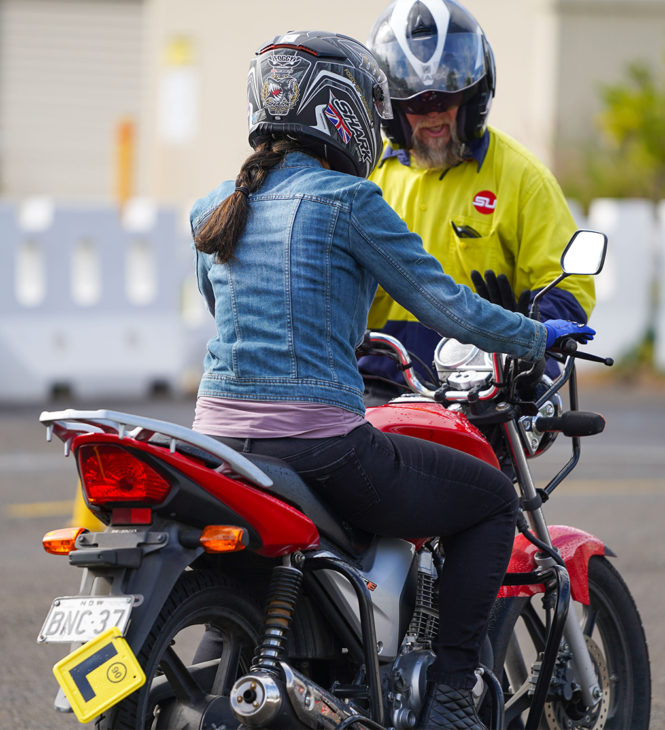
[{"x": 557, "y": 328}]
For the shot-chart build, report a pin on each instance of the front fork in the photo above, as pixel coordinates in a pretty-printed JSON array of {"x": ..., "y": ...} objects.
[{"x": 583, "y": 666}]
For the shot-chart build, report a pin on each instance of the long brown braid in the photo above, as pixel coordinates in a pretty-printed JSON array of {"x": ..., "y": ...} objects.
[{"x": 221, "y": 231}]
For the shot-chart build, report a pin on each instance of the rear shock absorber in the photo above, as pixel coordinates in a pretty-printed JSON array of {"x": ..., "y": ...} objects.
[
  {"x": 258, "y": 698},
  {"x": 281, "y": 603}
]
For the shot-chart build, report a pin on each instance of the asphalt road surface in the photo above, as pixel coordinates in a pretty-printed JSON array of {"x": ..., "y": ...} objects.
[{"x": 617, "y": 492}]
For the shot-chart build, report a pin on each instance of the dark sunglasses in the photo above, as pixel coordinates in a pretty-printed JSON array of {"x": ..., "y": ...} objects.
[{"x": 429, "y": 101}]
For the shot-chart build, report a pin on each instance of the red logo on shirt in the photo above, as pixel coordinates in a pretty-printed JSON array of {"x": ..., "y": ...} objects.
[{"x": 485, "y": 202}]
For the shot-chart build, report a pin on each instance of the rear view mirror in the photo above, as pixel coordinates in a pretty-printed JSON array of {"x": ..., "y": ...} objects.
[{"x": 585, "y": 253}]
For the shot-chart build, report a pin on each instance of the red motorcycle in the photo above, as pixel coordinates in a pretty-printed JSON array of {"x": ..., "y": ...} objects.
[{"x": 223, "y": 593}]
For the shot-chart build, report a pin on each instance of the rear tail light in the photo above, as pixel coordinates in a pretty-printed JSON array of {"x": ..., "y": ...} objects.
[
  {"x": 62, "y": 541},
  {"x": 113, "y": 475}
]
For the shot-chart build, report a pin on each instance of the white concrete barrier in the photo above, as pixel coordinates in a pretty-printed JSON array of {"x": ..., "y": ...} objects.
[
  {"x": 623, "y": 287},
  {"x": 660, "y": 291},
  {"x": 103, "y": 306},
  {"x": 94, "y": 304}
]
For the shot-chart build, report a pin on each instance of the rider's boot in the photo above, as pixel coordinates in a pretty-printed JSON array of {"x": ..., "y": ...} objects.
[{"x": 450, "y": 709}]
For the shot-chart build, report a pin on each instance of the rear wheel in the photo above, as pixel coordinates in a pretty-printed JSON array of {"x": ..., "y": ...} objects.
[
  {"x": 617, "y": 646},
  {"x": 188, "y": 683}
]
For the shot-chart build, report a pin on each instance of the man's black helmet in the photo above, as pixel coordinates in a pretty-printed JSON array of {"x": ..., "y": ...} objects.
[
  {"x": 323, "y": 90},
  {"x": 435, "y": 55}
]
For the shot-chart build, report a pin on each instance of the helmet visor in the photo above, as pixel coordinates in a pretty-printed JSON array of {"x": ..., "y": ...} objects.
[
  {"x": 382, "y": 102},
  {"x": 422, "y": 65}
]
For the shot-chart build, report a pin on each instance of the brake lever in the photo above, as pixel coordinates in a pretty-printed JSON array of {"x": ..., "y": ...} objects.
[
  {"x": 609, "y": 361},
  {"x": 568, "y": 346}
]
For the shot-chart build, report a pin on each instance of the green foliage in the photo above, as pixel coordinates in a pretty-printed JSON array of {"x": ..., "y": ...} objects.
[
  {"x": 628, "y": 158},
  {"x": 626, "y": 161},
  {"x": 633, "y": 121}
]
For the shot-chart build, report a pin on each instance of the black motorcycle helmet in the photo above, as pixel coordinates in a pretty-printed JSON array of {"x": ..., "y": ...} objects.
[
  {"x": 435, "y": 56},
  {"x": 324, "y": 90}
]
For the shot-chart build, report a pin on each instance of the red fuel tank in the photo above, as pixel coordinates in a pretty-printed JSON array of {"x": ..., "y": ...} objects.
[{"x": 432, "y": 422}]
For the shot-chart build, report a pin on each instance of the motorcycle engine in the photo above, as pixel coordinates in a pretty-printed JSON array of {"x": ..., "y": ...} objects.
[
  {"x": 408, "y": 678},
  {"x": 535, "y": 441}
]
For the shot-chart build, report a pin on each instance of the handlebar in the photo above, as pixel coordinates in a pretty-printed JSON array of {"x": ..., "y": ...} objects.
[
  {"x": 397, "y": 351},
  {"x": 379, "y": 343}
]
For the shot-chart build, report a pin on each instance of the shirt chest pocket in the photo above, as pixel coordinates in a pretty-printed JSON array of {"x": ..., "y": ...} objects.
[{"x": 474, "y": 244}]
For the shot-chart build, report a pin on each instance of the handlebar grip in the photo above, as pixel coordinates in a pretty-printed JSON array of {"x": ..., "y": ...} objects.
[
  {"x": 572, "y": 423},
  {"x": 567, "y": 345}
]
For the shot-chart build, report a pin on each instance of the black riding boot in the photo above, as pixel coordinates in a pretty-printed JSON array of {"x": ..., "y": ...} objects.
[{"x": 450, "y": 709}]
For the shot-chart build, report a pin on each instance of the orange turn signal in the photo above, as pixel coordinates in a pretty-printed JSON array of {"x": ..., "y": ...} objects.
[
  {"x": 223, "y": 539},
  {"x": 62, "y": 541}
]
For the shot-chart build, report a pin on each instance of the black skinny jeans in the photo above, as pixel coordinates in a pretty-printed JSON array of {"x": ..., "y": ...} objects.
[{"x": 399, "y": 486}]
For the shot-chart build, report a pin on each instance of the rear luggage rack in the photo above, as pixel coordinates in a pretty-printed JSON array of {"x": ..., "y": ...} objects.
[{"x": 70, "y": 423}]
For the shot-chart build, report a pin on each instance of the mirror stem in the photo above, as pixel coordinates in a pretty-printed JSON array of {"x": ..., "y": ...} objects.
[{"x": 534, "y": 312}]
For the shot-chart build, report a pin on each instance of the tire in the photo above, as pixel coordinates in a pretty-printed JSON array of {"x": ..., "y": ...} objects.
[
  {"x": 617, "y": 645},
  {"x": 200, "y": 602}
]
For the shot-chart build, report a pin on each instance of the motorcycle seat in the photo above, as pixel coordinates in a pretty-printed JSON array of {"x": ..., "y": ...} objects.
[{"x": 287, "y": 485}]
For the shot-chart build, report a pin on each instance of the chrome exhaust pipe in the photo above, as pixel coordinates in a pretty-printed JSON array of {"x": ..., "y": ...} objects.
[
  {"x": 259, "y": 699},
  {"x": 256, "y": 699}
]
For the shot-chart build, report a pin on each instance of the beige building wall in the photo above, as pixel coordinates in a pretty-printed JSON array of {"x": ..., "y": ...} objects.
[
  {"x": 523, "y": 35},
  {"x": 198, "y": 55},
  {"x": 597, "y": 41},
  {"x": 207, "y": 45},
  {"x": 71, "y": 69},
  {"x": 70, "y": 72}
]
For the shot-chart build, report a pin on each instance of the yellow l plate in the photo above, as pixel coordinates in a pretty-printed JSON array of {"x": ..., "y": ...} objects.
[{"x": 99, "y": 674}]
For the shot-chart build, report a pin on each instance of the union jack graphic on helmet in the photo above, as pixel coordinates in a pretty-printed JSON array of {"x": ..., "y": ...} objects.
[{"x": 338, "y": 122}]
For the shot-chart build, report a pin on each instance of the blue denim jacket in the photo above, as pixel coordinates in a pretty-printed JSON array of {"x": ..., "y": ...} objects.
[{"x": 291, "y": 306}]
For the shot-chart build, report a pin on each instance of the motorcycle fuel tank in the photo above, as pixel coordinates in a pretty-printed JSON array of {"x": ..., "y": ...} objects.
[{"x": 432, "y": 422}]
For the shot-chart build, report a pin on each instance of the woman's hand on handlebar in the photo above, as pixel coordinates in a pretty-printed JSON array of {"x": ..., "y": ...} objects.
[{"x": 558, "y": 329}]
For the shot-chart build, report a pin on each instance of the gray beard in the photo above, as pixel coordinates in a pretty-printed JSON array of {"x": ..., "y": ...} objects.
[{"x": 438, "y": 157}]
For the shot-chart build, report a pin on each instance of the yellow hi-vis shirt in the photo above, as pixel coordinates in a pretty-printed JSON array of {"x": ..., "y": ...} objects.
[{"x": 509, "y": 211}]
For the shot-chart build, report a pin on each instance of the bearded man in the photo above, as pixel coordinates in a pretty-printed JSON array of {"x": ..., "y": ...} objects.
[{"x": 479, "y": 200}]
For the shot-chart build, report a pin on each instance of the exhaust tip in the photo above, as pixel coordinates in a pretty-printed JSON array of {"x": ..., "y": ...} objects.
[{"x": 256, "y": 699}]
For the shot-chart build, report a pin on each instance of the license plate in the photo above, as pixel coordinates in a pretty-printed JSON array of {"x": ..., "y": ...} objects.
[
  {"x": 99, "y": 674},
  {"x": 82, "y": 618}
]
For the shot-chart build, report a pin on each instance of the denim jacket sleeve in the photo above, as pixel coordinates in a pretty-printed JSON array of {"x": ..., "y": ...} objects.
[
  {"x": 381, "y": 242},
  {"x": 205, "y": 287}
]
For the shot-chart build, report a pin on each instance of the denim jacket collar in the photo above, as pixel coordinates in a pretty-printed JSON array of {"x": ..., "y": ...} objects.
[{"x": 299, "y": 159}]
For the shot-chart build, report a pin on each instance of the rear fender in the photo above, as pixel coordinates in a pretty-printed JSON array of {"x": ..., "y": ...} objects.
[
  {"x": 150, "y": 582},
  {"x": 575, "y": 546}
]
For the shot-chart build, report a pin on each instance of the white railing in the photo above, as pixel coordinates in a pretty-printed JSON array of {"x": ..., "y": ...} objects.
[{"x": 106, "y": 305}]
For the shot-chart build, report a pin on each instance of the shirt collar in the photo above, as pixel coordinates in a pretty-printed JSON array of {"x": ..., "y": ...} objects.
[{"x": 475, "y": 150}]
